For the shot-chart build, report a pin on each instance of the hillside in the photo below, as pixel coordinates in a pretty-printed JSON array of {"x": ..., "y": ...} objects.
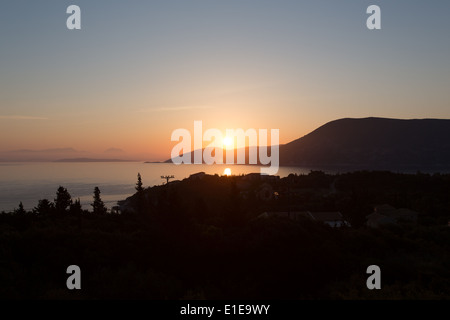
[
  {"x": 374, "y": 143},
  {"x": 371, "y": 143}
]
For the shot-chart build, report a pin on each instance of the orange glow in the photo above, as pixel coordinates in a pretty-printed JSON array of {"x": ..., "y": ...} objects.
[{"x": 227, "y": 141}]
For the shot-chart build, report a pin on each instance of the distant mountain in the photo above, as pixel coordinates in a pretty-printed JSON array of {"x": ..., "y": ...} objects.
[
  {"x": 54, "y": 150},
  {"x": 91, "y": 160},
  {"x": 114, "y": 151},
  {"x": 42, "y": 155},
  {"x": 373, "y": 143},
  {"x": 65, "y": 155}
]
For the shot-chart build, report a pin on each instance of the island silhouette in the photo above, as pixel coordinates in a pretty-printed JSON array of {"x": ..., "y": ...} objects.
[{"x": 368, "y": 143}]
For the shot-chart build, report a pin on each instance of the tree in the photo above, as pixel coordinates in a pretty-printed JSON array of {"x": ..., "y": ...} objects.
[
  {"x": 139, "y": 187},
  {"x": 21, "y": 210},
  {"x": 98, "y": 205},
  {"x": 234, "y": 214},
  {"x": 141, "y": 202},
  {"x": 75, "y": 208},
  {"x": 63, "y": 199},
  {"x": 44, "y": 207}
]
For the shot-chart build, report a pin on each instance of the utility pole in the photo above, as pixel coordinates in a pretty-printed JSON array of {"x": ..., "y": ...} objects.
[{"x": 167, "y": 178}]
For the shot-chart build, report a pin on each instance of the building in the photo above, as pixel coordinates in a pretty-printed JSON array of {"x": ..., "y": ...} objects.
[
  {"x": 293, "y": 215},
  {"x": 388, "y": 215},
  {"x": 333, "y": 219},
  {"x": 115, "y": 210},
  {"x": 265, "y": 192}
]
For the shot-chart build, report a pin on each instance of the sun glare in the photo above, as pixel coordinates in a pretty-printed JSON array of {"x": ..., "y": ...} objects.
[
  {"x": 227, "y": 172},
  {"x": 227, "y": 141}
]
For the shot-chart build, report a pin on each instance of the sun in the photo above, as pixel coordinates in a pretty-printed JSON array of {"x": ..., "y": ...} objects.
[
  {"x": 227, "y": 141},
  {"x": 227, "y": 172}
]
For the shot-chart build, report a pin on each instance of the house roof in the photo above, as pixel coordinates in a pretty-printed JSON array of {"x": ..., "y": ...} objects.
[
  {"x": 295, "y": 215},
  {"x": 384, "y": 208},
  {"x": 390, "y": 211},
  {"x": 405, "y": 212},
  {"x": 377, "y": 219},
  {"x": 389, "y": 214},
  {"x": 327, "y": 216}
]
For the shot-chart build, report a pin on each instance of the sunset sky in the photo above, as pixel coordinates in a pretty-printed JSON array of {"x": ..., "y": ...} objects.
[{"x": 137, "y": 70}]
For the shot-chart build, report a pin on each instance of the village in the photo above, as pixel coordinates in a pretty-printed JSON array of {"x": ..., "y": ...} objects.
[
  {"x": 243, "y": 237},
  {"x": 317, "y": 197}
]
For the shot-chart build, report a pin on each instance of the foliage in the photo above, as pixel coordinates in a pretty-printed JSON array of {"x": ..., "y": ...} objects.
[
  {"x": 139, "y": 187},
  {"x": 63, "y": 200},
  {"x": 44, "y": 207},
  {"x": 98, "y": 206},
  {"x": 204, "y": 239}
]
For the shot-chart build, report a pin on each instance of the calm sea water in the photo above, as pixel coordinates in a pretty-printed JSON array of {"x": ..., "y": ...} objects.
[{"x": 29, "y": 182}]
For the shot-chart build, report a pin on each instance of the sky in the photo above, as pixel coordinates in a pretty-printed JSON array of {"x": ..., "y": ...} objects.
[{"x": 138, "y": 70}]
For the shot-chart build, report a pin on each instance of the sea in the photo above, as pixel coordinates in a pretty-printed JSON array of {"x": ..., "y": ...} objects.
[{"x": 31, "y": 181}]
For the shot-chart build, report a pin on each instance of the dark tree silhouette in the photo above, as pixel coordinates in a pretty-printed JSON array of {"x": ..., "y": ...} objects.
[
  {"x": 77, "y": 211},
  {"x": 181, "y": 221},
  {"x": 63, "y": 200},
  {"x": 139, "y": 187},
  {"x": 234, "y": 215},
  {"x": 140, "y": 195},
  {"x": 98, "y": 205},
  {"x": 21, "y": 210},
  {"x": 44, "y": 207},
  {"x": 75, "y": 208}
]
